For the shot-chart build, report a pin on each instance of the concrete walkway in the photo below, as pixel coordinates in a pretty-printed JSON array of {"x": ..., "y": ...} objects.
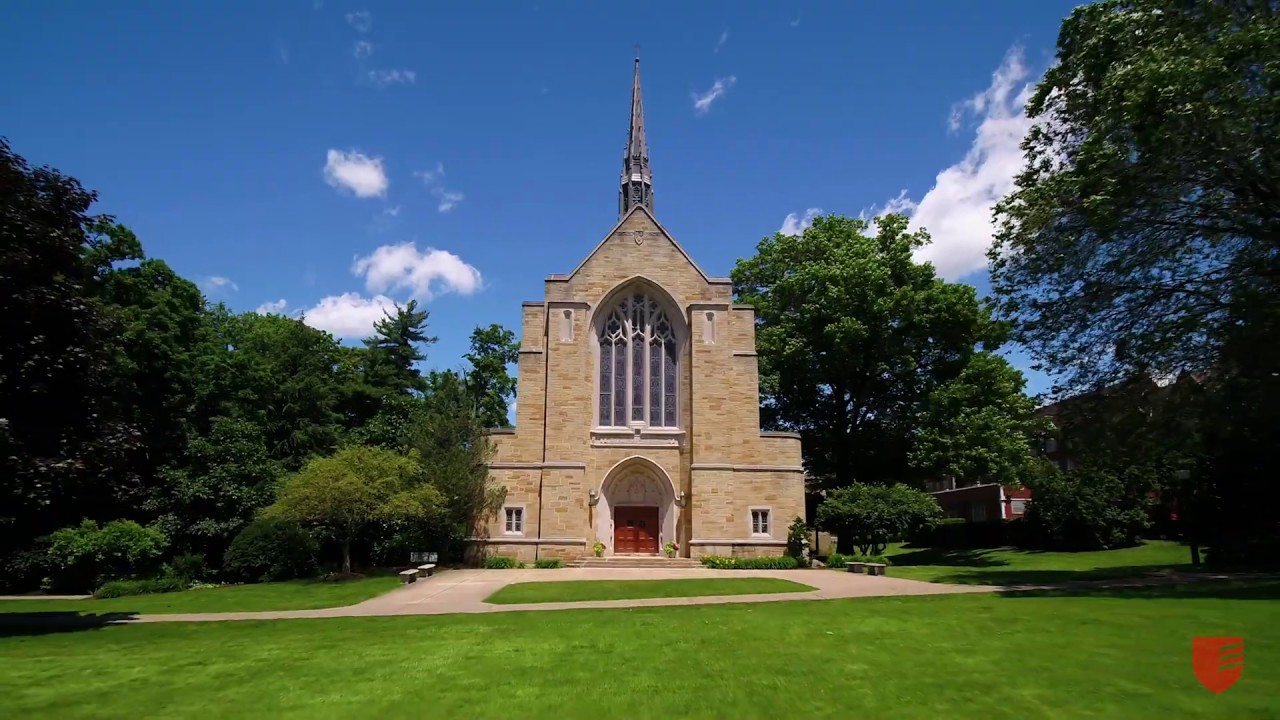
[{"x": 464, "y": 591}]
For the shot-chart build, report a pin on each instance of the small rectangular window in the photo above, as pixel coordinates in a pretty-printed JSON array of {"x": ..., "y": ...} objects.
[
  {"x": 760, "y": 522},
  {"x": 514, "y": 521},
  {"x": 1018, "y": 506}
]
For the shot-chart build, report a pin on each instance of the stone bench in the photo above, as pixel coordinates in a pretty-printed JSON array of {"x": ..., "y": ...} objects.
[
  {"x": 854, "y": 567},
  {"x": 875, "y": 568},
  {"x": 408, "y": 576},
  {"x": 426, "y": 570}
]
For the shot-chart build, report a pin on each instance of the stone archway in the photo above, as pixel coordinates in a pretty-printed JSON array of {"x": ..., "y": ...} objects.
[{"x": 637, "y": 509}]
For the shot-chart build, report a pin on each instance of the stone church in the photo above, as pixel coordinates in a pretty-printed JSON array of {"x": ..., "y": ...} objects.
[{"x": 638, "y": 415}]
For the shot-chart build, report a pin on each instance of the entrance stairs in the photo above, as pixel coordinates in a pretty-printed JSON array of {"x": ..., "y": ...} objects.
[{"x": 652, "y": 562}]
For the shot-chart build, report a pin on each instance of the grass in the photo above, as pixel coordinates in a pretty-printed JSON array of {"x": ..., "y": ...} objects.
[
  {"x": 583, "y": 590},
  {"x": 1118, "y": 655},
  {"x": 293, "y": 595},
  {"x": 1014, "y": 566}
]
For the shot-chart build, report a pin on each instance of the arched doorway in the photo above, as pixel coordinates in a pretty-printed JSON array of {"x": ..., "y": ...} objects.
[{"x": 638, "y": 509}]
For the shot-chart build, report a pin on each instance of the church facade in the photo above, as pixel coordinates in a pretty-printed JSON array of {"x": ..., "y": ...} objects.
[{"x": 638, "y": 415}]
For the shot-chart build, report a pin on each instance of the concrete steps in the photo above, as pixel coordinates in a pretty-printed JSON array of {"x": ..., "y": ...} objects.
[{"x": 652, "y": 562}]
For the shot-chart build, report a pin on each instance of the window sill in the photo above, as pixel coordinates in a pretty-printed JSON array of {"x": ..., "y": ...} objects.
[{"x": 637, "y": 437}]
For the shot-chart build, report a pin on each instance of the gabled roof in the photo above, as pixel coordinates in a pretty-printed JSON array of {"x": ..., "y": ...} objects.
[{"x": 665, "y": 233}]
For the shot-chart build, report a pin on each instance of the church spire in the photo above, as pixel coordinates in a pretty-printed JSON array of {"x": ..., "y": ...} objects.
[{"x": 637, "y": 180}]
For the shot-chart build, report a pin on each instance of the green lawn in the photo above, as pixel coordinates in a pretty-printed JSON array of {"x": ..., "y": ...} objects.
[
  {"x": 294, "y": 595},
  {"x": 960, "y": 656},
  {"x": 1012, "y": 566},
  {"x": 583, "y": 590}
]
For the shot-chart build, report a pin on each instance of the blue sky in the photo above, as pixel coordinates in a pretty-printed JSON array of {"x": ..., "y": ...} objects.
[{"x": 336, "y": 156}]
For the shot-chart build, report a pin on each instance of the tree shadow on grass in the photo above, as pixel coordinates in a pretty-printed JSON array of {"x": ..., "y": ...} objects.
[
  {"x": 26, "y": 624},
  {"x": 1047, "y": 577},
  {"x": 955, "y": 558},
  {"x": 1226, "y": 589}
]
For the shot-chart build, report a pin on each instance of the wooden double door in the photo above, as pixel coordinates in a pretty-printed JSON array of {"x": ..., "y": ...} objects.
[{"x": 635, "y": 529}]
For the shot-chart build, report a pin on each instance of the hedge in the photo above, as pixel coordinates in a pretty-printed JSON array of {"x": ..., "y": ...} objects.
[{"x": 783, "y": 562}]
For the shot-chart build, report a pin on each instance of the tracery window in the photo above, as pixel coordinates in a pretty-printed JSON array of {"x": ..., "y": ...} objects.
[{"x": 638, "y": 364}]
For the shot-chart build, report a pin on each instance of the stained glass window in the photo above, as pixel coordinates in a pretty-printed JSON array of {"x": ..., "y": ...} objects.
[{"x": 638, "y": 365}]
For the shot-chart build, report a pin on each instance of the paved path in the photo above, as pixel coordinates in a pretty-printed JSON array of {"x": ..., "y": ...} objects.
[{"x": 464, "y": 591}]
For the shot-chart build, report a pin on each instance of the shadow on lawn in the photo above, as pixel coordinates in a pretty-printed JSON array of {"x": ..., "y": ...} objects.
[
  {"x": 48, "y": 623},
  {"x": 1229, "y": 589},
  {"x": 1046, "y": 577},
  {"x": 957, "y": 558}
]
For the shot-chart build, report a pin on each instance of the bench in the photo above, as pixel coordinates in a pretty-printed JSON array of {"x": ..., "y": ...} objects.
[
  {"x": 854, "y": 567},
  {"x": 408, "y": 576},
  {"x": 875, "y": 568},
  {"x": 426, "y": 570}
]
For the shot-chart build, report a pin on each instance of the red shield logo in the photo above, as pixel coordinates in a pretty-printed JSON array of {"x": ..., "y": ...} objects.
[{"x": 1218, "y": 661}]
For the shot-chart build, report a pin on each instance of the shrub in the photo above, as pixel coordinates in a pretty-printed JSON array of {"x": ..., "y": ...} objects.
[
  {"x": 548, "y": 563},
  {"x": 836, "y": 560},
  {"x": 1086, "y": 510},
  {"x": 798, "y": 541},
  {"x": 125, "y": 588},
  {"x": 271, "y": 550},
  {"x": 188, "y": 568},
  {"x": 869, "y": 517},
  {"x": 86, "y": 555},
  {"x": 782, "y": 562},
  {"x": 500, "y": 562}
]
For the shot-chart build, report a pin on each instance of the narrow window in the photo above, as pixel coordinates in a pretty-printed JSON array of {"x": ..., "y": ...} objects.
[
  {"x": 709, "y": 328},
  {"x": 514, "y": 521},
  {"x": 760, "y": 522}
]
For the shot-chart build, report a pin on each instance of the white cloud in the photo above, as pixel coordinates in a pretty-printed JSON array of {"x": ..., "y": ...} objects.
[
  {"x": 216, "y": 284},
  {"x": 449, "y": 199},
  {"x": 361, "y": 20},
  {"x": 282, "y": 51},
  {"x": 383, "y": 78},
  {"x": 796, "y": 22},
  {"x": 275, "y": 307},
  {"x": 702, "y": 102},
  {"x": 391, "y": 210},
  {"x": 793, "y": 224},
  {"x": 362, "y": 49},
  {"x": 356, "y": 172},
  {"x": 724, "y": 38},
  {"x": 957, "y": 209},
  {"x": 348, "y": 315},
  {"x": 423, "y": 273}
]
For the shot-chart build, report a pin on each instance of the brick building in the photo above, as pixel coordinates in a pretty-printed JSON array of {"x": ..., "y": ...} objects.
[{"x": 638, "y": 414}]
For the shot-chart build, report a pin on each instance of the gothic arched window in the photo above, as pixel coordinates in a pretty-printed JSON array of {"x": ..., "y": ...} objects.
[{"x": 638, "y": 360}]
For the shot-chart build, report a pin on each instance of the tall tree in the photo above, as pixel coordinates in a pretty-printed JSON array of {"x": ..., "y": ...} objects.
[
  {"x": 979, "y": 426},
  {"x": 1149, "y": 203},
  {"x": 395, "y": 347},
  {"x": 493, "y": 348},
  {"x": 1143, "y": 234},
  {"x": 854, "y": 336},
  {"x": 60, "y": 445}
]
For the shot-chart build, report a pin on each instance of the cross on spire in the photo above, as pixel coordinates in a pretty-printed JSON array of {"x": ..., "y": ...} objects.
[{"x": 637, "y": 180}]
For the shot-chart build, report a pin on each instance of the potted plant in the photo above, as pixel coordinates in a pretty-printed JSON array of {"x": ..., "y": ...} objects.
[
  {"x": 671, "y": 549},
  {"x": 598, "y": 548}
]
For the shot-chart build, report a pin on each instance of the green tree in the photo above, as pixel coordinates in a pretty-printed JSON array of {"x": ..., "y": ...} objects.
[
  {"x": 356, "y": 487},
  {"x": 493, "y": 348},
  {"x": 1147, "y": 206},
  {"x": 61, "y": 445},
  {"x": 396, "y": 347},
  {"x": 159, "y": 322},
  {"x": 979, "y": 426},
  {"x": 1088, "y": 509},
  {"x": 854, "y": 336},
  {"x": 223, "y": 479},
  {"x": 1143, "y": 234},
  {"x": 872, "y": 516}
]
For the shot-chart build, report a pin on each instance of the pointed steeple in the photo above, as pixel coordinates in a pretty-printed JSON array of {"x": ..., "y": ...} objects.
[{"x": 637, "y": 180}]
